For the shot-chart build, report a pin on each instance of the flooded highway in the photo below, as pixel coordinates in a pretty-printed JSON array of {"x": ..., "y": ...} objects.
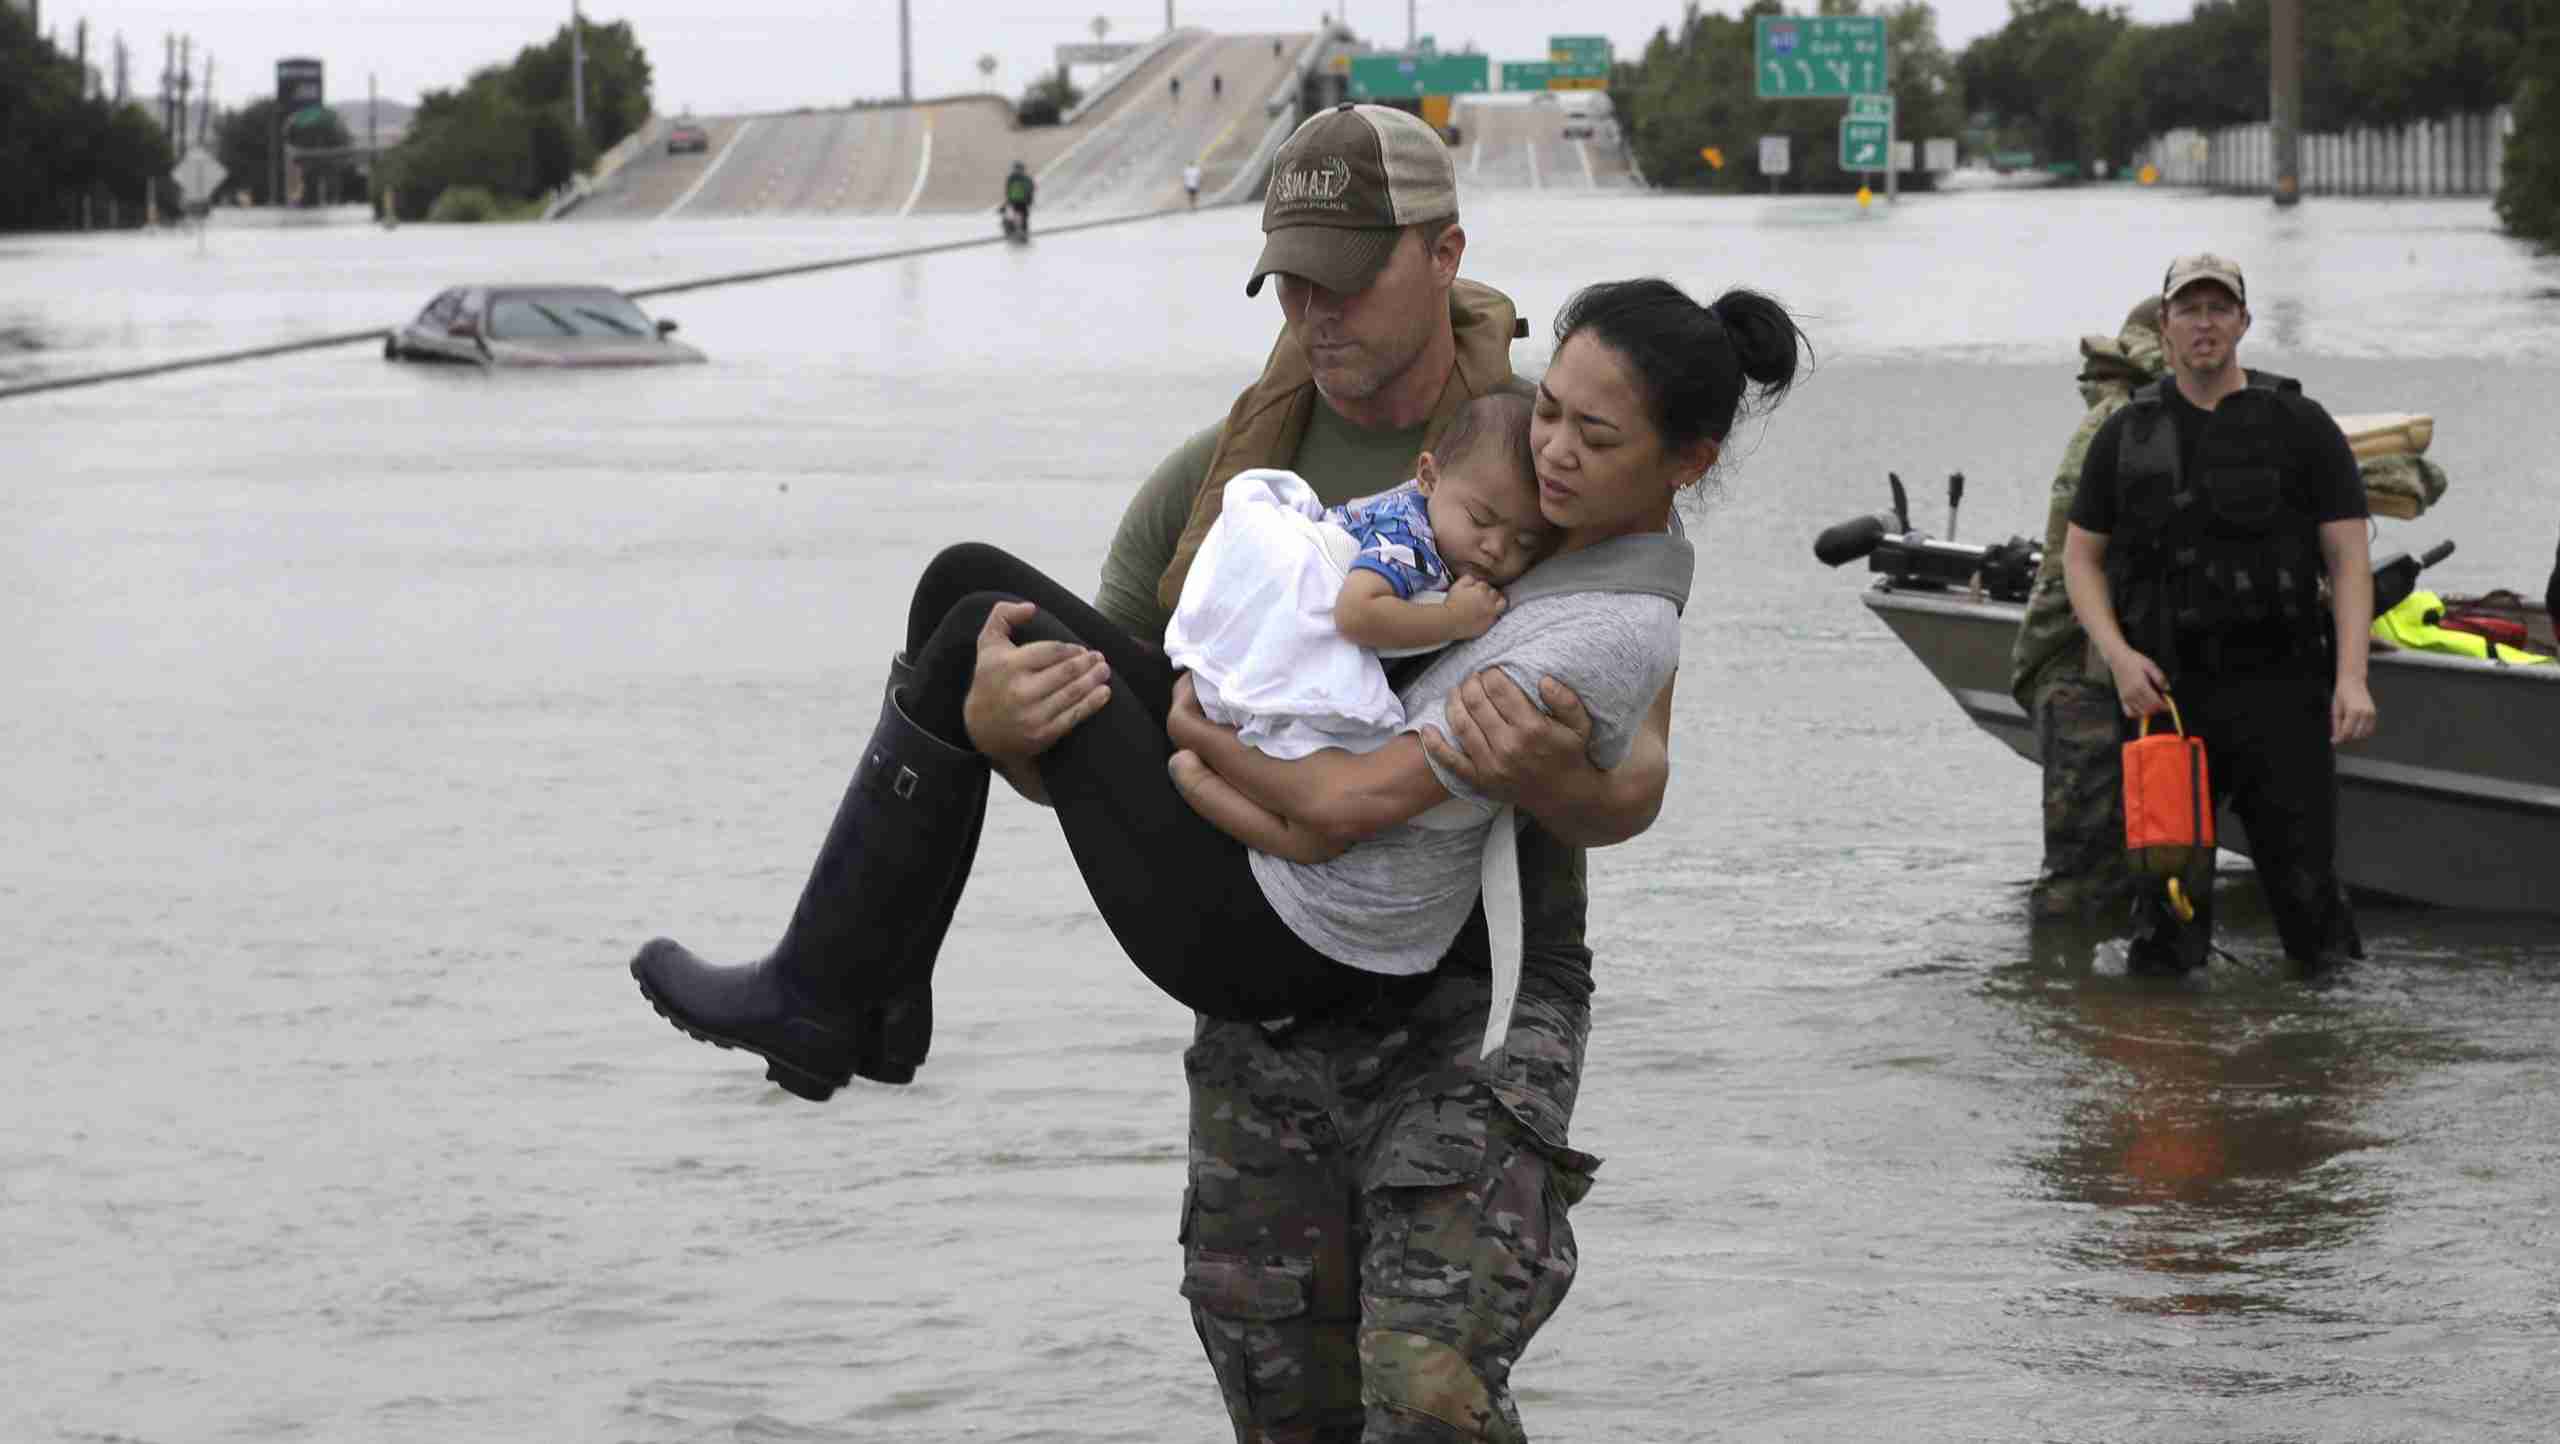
[{"x": 362, "y": 719}]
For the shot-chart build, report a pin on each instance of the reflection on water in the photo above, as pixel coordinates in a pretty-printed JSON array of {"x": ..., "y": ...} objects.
[
  {"x": 19, "y": 341},
  {"x": 2284, "y": 320},
  {"x": 2206, "y": 1117}
]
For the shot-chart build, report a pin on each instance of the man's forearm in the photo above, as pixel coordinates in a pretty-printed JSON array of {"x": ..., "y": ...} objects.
[
  {"x": 2349, "y": 558},
  {"x": 1594, "y": 808}
]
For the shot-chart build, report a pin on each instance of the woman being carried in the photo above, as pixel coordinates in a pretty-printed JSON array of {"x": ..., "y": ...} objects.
[{"x": 1644, "y": 388}]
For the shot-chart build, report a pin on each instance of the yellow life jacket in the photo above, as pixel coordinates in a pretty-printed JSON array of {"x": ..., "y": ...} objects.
[{"x": 2412, "y": 625}]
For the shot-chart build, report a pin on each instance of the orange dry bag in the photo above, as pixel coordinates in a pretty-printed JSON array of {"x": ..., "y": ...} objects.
[{"x": 2168, "y": 803}]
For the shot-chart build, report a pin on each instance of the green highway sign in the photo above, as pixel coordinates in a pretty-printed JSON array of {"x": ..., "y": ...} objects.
[
  {"x": 1797, "y": 57},
  {"x": 1871, "y": 107},
  {"x": 1862, "y": 144},
  {"x": 1554, "y": 75},
  {"x": 1579, "y": 49},
  {"x": 1376, "y": 76}
]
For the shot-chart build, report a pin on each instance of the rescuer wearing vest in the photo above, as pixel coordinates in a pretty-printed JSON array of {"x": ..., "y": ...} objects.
[{"x": 2210, "y": 510}]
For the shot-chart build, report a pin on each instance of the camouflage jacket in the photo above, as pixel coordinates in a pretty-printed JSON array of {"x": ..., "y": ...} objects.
[{"x": 2050, "y": 639}]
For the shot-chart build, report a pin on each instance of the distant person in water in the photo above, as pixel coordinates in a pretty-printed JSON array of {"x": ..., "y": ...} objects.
[{"x": 2210, "y": 510}]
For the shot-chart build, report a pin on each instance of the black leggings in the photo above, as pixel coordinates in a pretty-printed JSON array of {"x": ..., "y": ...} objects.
[{"x": 1177, "y": 893}]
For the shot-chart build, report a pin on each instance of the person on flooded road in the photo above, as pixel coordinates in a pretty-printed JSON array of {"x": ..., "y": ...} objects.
[
  {"x": 1376, "y": 1218},
  {"x": 2065, "y": 690},
  {"x": 1019, "y": 189},
  {"x": 2210, "y": 509}
]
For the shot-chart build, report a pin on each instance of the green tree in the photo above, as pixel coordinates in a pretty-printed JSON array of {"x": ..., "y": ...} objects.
[
  {"x": 67, "y": 158},
  {"x": 2030, "y": 72},
  {"x": 2529, "y": 190},
  {"x": 244, "y": 142},
  {"x": 618, "y": 81},
  {"x": 2391, "y": 62},
  {"x": 511, "y": 130},
  {"x": 1047, "y": 100},
  {"x": 480, "y": 136}
]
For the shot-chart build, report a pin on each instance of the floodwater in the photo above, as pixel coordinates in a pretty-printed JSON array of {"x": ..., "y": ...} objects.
[{"x": 361, "y": 719}]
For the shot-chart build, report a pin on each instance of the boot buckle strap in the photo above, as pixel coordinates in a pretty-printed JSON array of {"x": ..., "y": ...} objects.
[{"x": 905, "y": 783}]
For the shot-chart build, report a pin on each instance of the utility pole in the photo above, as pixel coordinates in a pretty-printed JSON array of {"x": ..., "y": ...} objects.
[
  {"x": 186, "y": 90},
  {"x": 1409, "y": 28},
  {"x": 204, "y": 116},
  {"x": 2284, "y": 97},
  {"x": 577, "y": 69},
  {"x": 906, "y": 57}
]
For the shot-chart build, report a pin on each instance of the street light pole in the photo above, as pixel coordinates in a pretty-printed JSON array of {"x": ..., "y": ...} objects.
[
  {"x": 577, "y": 68},
  {"x": 2284, "y": 97},
  {"x": 906, "y": 59}
]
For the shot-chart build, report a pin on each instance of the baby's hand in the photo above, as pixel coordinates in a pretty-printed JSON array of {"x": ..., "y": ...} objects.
[{"x": 1473, "y": 606}]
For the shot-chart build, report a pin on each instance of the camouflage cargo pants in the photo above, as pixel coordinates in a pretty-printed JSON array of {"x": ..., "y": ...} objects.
[
  {"x": 1375, "y": 1225},
  {"x": 2079, "y": 734}
]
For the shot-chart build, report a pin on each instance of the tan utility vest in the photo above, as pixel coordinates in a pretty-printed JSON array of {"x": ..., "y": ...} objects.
[{"x": 1267, "y": 422}]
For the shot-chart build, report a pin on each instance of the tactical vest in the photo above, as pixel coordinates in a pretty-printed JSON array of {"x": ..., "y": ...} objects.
[
  {"x": 2228, "y": 548},
  {"x": 1017, "y": 189}
]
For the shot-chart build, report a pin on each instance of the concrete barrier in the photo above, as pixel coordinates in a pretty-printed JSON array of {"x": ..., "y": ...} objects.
[
  {"x": 2459, "y": 155},
  {"x": 582, "y": 186},
  {"x": 1130, "y": 65},
  {"x": 1282, "y": 106}
]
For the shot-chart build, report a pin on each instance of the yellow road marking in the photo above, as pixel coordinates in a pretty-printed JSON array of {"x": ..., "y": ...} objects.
[{"x": 1219, "y": 139}]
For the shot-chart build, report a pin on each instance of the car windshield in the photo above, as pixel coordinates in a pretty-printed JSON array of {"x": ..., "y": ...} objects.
[{"x": 551, "y": 315}]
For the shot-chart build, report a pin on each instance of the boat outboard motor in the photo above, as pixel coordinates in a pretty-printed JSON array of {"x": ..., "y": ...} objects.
[
  {"x": 1910, "y": 558},
  {"x": 1850, "y": 540}
]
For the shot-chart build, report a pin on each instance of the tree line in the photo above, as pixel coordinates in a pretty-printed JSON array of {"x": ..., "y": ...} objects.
[
  {"x": 2079, "y": 85},
  {"x": 509, "y": 136},
  {"x": 504, "y": 139},
  {"x": 68, "y": 157}
]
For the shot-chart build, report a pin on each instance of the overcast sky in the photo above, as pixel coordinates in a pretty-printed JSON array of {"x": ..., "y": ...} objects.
[{"x": 777, "y": 54}]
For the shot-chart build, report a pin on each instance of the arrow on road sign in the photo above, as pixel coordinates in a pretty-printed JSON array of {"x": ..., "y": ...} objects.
[{"x": 1862, "y": 144}]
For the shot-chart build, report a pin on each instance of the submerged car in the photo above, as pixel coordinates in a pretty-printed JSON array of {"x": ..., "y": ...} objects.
[
  {"x": 537, "y": 326},
  {"x": 687, "y": 136}
]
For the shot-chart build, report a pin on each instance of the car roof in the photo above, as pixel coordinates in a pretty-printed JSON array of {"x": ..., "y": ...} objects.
[{"x": 589, "y": 288}]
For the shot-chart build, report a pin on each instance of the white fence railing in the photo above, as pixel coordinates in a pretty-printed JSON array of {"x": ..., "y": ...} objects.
[{"x": 2460, "y": 155}]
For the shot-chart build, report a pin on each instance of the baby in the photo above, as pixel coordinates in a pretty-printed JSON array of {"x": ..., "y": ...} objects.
[{"x": 1289, "y": 605}]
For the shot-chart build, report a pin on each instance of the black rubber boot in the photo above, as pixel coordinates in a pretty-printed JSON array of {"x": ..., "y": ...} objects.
[
  {"x": 848, "y": 989},
  {"x": 892, "y": 1038}
]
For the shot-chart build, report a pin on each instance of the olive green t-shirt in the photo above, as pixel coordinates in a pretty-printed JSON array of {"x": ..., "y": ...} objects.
[{"x": 1340, "y": 462}]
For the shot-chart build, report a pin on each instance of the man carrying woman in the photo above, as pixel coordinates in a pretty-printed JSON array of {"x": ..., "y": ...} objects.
[{"x": 1376, "y": 1218}]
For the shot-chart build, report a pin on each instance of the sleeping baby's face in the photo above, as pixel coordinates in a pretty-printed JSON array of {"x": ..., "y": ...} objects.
[{"x": 1484, "y": 514}]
